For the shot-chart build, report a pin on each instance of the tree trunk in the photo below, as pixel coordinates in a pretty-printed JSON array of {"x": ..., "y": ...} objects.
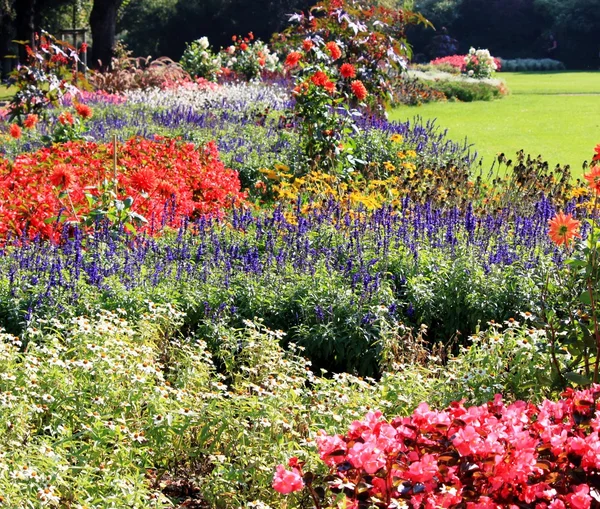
[
  {"x": 103, "y": 22},
  {"x": 25, "y": 25},
  {"x": 7, "y": 34}
]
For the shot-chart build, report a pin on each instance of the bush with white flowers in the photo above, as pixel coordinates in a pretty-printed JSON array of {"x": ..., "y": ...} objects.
[
  {"x": 479, "y": 64},
  {"x": 199, "y": 60}
]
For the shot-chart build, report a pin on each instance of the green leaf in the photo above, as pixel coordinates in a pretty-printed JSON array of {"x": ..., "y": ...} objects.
[{"x": 577, "y": 378}]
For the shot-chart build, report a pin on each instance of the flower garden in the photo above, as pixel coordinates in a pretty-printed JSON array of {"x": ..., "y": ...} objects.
[{"x": 232, "y": 282}]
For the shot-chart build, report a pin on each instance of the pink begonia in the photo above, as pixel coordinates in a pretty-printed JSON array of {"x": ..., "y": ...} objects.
[
  {"x": 286, "y": 481},
  {"x": 367, "y": 456},
  {"x": 581, "y": 498},
  {"x": 331, "y": 449}
]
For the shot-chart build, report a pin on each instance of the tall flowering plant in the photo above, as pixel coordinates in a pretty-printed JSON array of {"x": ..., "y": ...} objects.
[
  {"x": 577, "y": 330},
  {"x": 479, "y": 64},
  {"x": 486, "y": 457},
  {"x": 249, "y": 57},
  {"x": 51, "y": 71},
  {"x": 371, "y": 39}
]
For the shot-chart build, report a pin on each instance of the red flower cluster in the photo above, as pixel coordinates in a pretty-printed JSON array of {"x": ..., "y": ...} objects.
[
  {"x": 488, "y": 457},
  {"x": 458, "y": 61},
  {"x": 151, "y": 172}
]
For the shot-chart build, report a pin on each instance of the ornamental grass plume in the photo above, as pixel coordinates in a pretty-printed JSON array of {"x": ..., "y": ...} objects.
[{"x": 563, "y": 228}]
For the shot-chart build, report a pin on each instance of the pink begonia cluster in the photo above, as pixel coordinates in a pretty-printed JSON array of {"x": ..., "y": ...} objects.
[
  {"x": 458, "y": 61},
  {"x": 487, "y": 457}
]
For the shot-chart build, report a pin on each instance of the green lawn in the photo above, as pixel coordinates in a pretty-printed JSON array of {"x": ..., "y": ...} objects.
[
  {"x": 6, "y": 92},
  {"x": 556, "y": 115}
]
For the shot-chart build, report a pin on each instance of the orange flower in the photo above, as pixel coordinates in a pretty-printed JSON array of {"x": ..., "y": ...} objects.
[
  {"x": 15, "y": 131},
  {"x": 307, "y": 44},
  {"x": 596, "y": 157},
  {"x": 61, "y": 176},
  {"x": 66, "y": 118},
  {"x": 334, "y": 50},
  {"x": 83, "y": 110},
  {"x": 347, "y": 71},
  {"x": 243, "y": 46},
  {"x": 319, "y": 78},
  {"x": 31, "y": 120},
  {"x": 593, "y": 178},
  {"x": 359, "y": 90},
  {"x": 292, "y": 59},
  {"x": 563, "y": 229},
  {"x": 329, "y": 86}
]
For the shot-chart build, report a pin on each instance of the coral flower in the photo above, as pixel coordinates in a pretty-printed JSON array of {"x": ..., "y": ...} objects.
[
  {"x": 563, "y": 228},
  {"x": 359, "y": 90},
  {"x": 83, "y": 110},
  {"x": 292, "y": 59},
  {"x": 61, "y": 176},
  {"x": 15, "y": 131},
  {"x": 307, "y": 44},
  {"x": 320, "y": 79},
  {"x": 329, "y": 86},
  {"x": 66, "y": 118},
  {"x": 31, "y": 120},
  {"x": 348, "y": 71},
  {"x": 593, "y": 178},
  {"x": 285, "y": 481},
  {"x": 144, "y": 180},
  {"x": 243, "y": 46},
  {"x": 334, "y": 50},
  {"x": 596, "y": 157}
]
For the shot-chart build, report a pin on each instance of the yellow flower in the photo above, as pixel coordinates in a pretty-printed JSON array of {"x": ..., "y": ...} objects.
[
  {"x": 401, "y": 155},
  {"x": 389, "y": 166},
  {"x": 411, "y": 153},
  {"x": 397, "y": 138},
  {"x": 281, "y": 167}
]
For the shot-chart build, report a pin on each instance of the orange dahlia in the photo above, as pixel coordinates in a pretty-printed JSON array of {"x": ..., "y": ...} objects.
[
  {"x": 563, "y": 228},
  {"x": 593, "y": 178},
  {"x": 83, "y": 110},
  {"x": 61, "y": 176},
  {"x": 334, "y": 50},
  {"x": 30, "y": 121},
  {"x": 293, "y": 58},
  {"x": 347, "y": 71},
  {"x": 359, "y": 90},
  {"x": 15, "y": 131}
]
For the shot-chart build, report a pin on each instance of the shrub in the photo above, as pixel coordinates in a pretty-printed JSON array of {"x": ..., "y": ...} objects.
[
  {"x": 530, "y": 64},
  {"x": 478, "y": 61},
  {"x": 466, "y": 91},
  {"x": 200, "y": 61}
]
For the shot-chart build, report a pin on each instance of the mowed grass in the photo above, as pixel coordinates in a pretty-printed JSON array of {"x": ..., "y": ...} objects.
[
  {"x": 6, "y": 93},
  {"x": 556, "y": 115}
]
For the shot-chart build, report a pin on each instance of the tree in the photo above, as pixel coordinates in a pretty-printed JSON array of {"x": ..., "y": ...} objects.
[{"x": 103, "y": 22}]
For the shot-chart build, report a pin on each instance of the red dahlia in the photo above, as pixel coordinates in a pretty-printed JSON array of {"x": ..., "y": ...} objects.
[
  {"x": 61, "y": 176},
  {"x": 144, "y": 180},
  {"x": 359, "y": 90},
  {"x": 320, "y": 79},
  {"x": 15, "y": 131},
  {"x": 347, "y": 71},
  {"x": 334, "y": 50},
  {"x": 292, "y": 59},
  {"x": 83, "y": 110}
]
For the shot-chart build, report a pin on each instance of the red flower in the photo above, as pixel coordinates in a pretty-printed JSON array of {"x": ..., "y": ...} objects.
[
  {"x": 292, "y": 59},
  {"x": 307, "y": 44},
  {"x": 31, "y": 120},
  {"x": 359, "y": 90},
  {"x": 83, "y": 110},
  {"x": 61, "y": 176},
  {"x": 329, "y": 86},
  {"x": 83, "y": 48},
  {"x": 320, "y": 79},
  {"x": 593, "y": 178},
  {"x": 243, "y": 46},
  {"x": 66, "y": 118},
  {"x": 250, "y": 35},
  {"x": 261, "y": 62},
  {"x": 334, "y": 50},
  {"x": 563, "y": 228},
  {"x": 596, "y": 157},
  {"x": 347, "y": 71},
  {"x": 144, "y": 180},
  {"x": 15, "y": 131}
]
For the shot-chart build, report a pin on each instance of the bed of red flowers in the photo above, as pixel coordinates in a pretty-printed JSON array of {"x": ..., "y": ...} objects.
[
  {"x": 492, "y": 456},
  {"x": 458, "y": 61},
  {"x": 167, "y": 180}
]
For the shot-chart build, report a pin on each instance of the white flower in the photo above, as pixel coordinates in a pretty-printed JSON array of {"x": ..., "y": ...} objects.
[{"x": 203, "y": 42}]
